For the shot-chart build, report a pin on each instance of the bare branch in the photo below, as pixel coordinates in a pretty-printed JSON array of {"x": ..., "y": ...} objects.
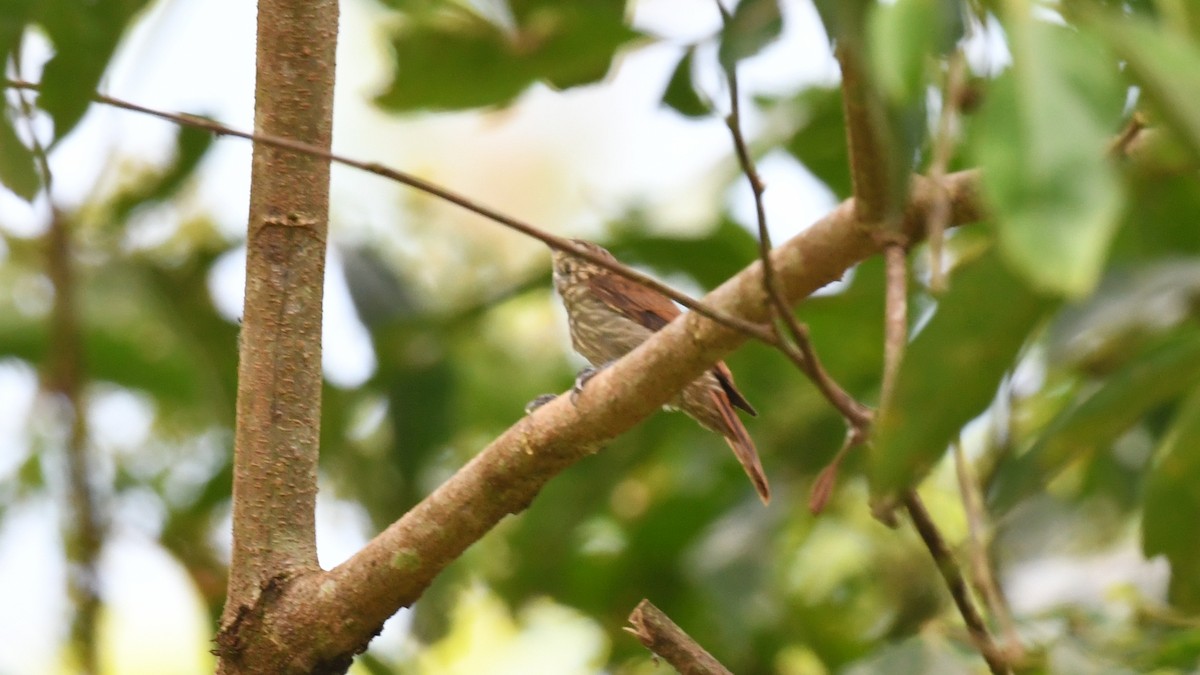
[
  {"x": 1125, "y": 142},
  {"x": 661, "y": 635},
  {"x": 895, "y": 328},
  {"x": 800, "y": 350},
  {"x": 85, "y": 525},
  {"x": 944, "y": 559},
  {"x": 64, "y": 378},
  {"x": 758, "y": 331},
  {"x": 980, "y": 563},
  {"x": 351, "y": 601},
  {"x": 869, "y": 154}
]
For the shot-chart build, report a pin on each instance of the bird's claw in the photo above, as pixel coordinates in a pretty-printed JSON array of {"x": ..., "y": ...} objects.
[
  {"x": 583, "y": 378},
  {"x": 580, "y": 380},
  {"x": 539, "y": 402}
]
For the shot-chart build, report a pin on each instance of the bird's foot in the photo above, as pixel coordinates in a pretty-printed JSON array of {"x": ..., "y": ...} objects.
[
  {"x": 583, "y": 378},
  {"x": 539, "y": 402}
]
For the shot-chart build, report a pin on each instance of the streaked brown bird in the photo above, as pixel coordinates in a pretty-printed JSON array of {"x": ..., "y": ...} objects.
[{"x": 609, "y": 316}]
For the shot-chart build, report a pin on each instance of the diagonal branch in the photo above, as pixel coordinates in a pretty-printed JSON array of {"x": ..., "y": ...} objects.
[
  {"x": 351, "y": 601},
  {"x": 347, "y": 605},
  {"x": 952, "y": 575},
  {"x": 984, "y": 579},
  {"x": 757, "y": 331},
  {"x": 800, "y": 350},
  {"x": 665, "y": 638},
  {"x": 872, "y": 165}
]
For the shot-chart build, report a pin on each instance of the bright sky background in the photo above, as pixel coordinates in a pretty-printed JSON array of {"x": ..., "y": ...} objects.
[{"x": 592, "y": 151}]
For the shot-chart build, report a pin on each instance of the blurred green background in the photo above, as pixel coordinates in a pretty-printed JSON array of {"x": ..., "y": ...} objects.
[{"x": 1063, "y": 357}]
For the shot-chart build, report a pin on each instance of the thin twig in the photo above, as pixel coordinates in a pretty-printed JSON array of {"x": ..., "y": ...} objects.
[
  {"x": 659, "y": 634},
  {"x": 1120, "y": 145},
  {"x": 800, "y": 350},
  {"x": 895, "y": 341},
  {"x": 944, "y": 559},
  {"x": 895, "y": 329},
  {"x": 758, "y": 331},
  {"x": 983, "y": 577},
  {"x": 869, "y": 163},
  {"x": 84, "y": 530},
  {"x": 943, "y": 148},
  {"x": 826, "y": 480}
]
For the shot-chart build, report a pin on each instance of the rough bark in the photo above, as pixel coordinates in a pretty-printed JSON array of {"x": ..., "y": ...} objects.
[{"x": 279, "y": 374}]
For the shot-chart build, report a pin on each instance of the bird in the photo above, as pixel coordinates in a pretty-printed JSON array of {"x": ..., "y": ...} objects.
[{"x": 609, "y": 315}]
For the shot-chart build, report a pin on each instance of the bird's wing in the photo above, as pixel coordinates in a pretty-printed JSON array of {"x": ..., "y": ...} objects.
[
  {"x": 638, "y": 303},
  {"x": 654, "y": 310},
  {"x": 725, "y": 378}
]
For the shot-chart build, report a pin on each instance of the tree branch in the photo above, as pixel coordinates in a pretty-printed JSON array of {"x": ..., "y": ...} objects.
[
  {"x": 85, "y": 526},
  {"x": 869, "y": 155},
  {"x": 800, "y": 350},
  {"x": 871, "y": 163},
  {"x": 349, "y": 603},
  {"x": 758, "y": 331},
  {"x": 85, "y": 523},
  {"x": 279, "y": 368},
  {"x": 944, "y": 560},
  {"x": 661, "y": 635},
  {"x": 895, "y": 325},
  {"x": 980, "y": 563},
  {"x": 943, "y": 149}
]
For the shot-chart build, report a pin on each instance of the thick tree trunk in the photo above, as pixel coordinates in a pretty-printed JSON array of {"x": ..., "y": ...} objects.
[{"x": 279, "y": 375}]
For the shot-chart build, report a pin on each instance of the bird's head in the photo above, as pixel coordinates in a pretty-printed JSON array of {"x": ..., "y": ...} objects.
[{"x": 567, "y": 264}]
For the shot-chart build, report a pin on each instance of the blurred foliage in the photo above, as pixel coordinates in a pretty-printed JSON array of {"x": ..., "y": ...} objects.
[
  {"x": 564, "y": 44},
  {"x": 1057, "y": 207},
  {"x": 1064, "y": 354},
  {"x": 979, "y": 326}
]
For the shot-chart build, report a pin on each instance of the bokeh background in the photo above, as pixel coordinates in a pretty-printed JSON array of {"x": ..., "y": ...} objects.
[{"x": 440, "y": 326}]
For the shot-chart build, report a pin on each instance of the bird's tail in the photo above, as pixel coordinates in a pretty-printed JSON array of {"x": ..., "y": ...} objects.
[{"x": 743, "y": 448}]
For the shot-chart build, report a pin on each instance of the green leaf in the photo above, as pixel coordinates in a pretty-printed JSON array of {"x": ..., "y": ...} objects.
[
  {"x": 903, "y": 38},
  {"x": 1172, "y": 500},
  {"x": 951, "y": 370},
  {"x": 681, "y": 94},
  {"x": 844, "y": 20},
  {"x": 1162, "y": 223},
  {"x": 571, "y": 43},
  {"x": 14, "y": 14},
  {"x": 819, "y": 143},
  {"x": 1043, "y": 132},
  {"x": 753, "y": 25},
  {"x": 85, "y": 35},
  {"x": 18, "y": 170},
  {"x": 1167, "y": 68},
  {"x": 448, "y": 65},
  {"x": 847, "y": 329},
  {"x": 448, "y": 61},
  {"x": 1156, "y": 376}
]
